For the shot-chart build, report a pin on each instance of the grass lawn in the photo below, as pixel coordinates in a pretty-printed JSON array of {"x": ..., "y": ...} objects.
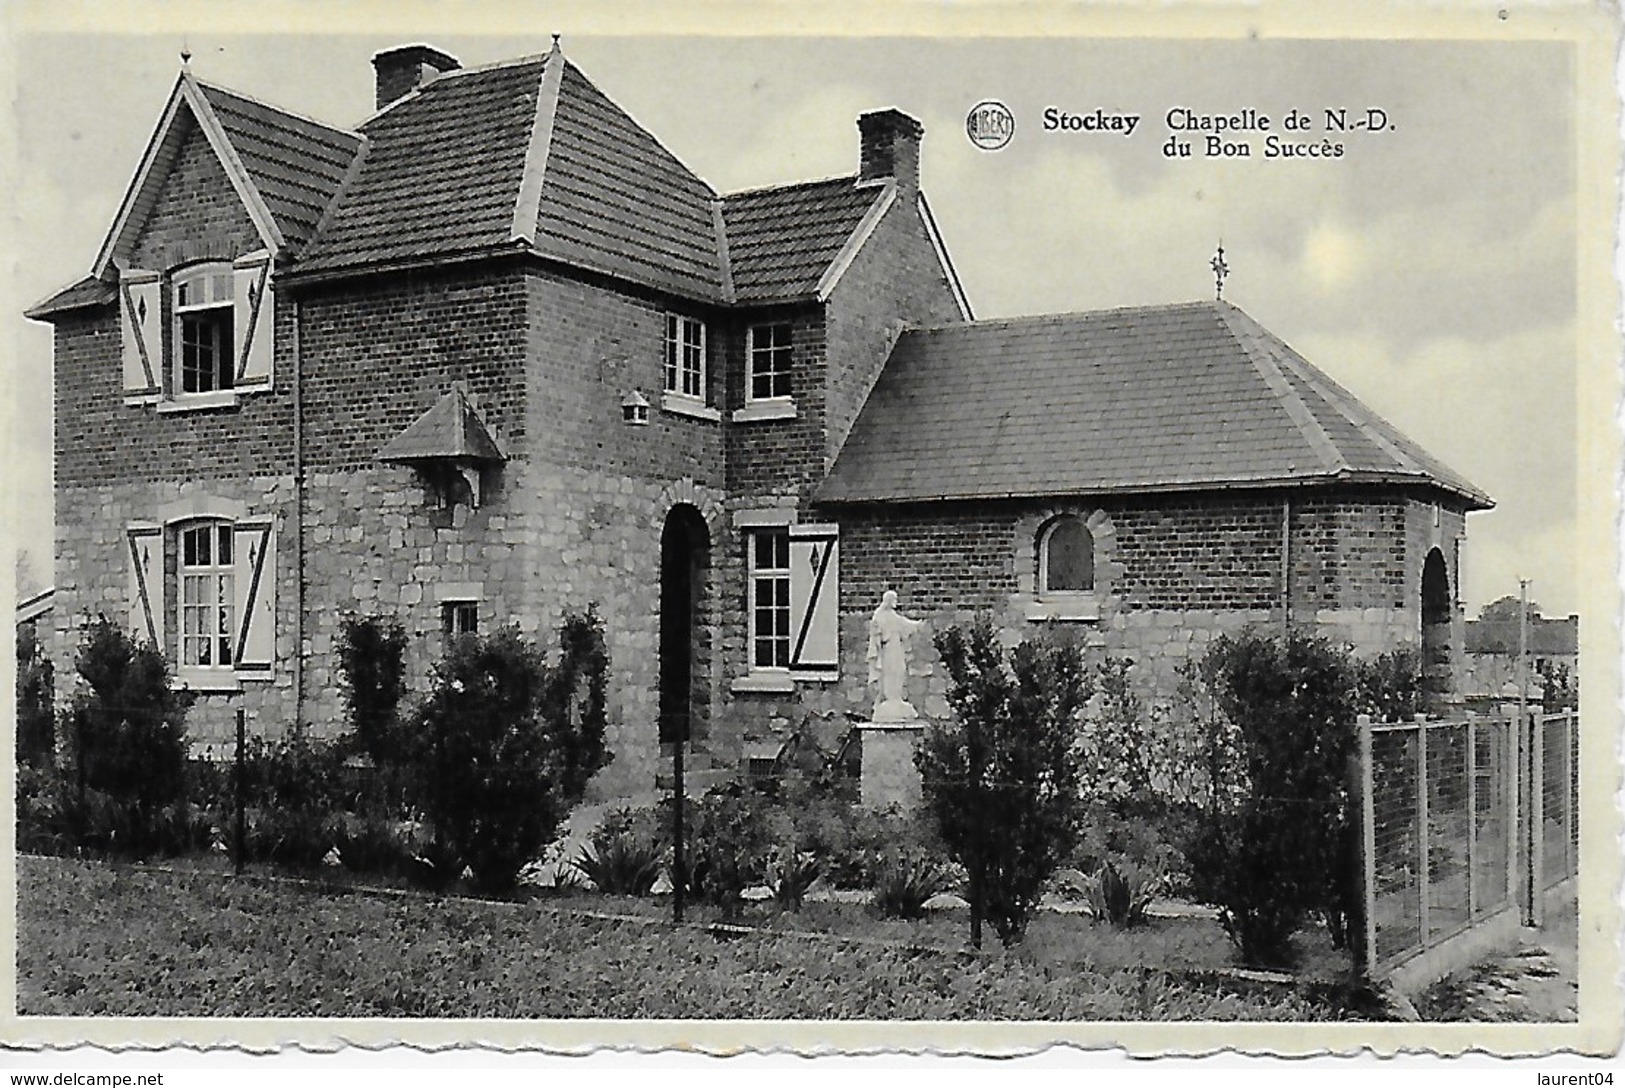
[{"x": 102, "y": 939}]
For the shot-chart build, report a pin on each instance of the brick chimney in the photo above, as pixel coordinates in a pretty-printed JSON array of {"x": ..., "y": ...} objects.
[
  {"x": 889, "y": 147},
  {"x": 405, "y": 68}
]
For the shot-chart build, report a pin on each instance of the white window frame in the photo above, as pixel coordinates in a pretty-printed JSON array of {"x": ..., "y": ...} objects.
[
  {"x": 212, "y": 278},
  {"x": 771, "y": 577},
  {"x": 193, "y": 582},
  {"x": 683, "y": 366},
  {"x": 774, "y": 405}
]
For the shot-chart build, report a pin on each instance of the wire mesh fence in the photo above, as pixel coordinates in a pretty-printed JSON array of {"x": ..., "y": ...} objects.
[
  {"x": 1558, "y": 830},
  {"x": 1461, "y": 820}
]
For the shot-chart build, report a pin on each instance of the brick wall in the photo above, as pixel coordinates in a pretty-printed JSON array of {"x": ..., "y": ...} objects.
[
  {"x": 896, "y": 281},
  {"x": 101, "y": 440},
  {"x": 590, "y": 342},
  {"x": 198, "y": 214},
  {"x": 377, "y": 353},
  {"x": 779, "y": 456}
]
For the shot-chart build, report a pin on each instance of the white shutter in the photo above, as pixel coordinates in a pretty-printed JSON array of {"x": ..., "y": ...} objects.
[
  {"x": 253, "y": 561},
  {"x": 815, "y": 606},
  {"x": 141, "y": 321},
  {"x": 144, "y": 553},
  {"x": 253, "y": 318}
]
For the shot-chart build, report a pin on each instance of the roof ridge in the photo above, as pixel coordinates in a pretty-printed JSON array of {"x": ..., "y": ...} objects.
[
  {"x": 719, "y": 228},
  {"x": 1059, "y": 318},
  {"x": 283, "y": 110},
  {"x": 754, "y": 190},
  {"x": 658, "y": 142},
  {"x": 1343, "y": 403},
  {"x": 533, "y": 170},
  {"x": 491, "y": 66},
  {"x": 1260, "y": 348}
]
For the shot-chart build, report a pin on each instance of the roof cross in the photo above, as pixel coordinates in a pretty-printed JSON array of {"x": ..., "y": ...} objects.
[{"x": 1220, "y": 271}]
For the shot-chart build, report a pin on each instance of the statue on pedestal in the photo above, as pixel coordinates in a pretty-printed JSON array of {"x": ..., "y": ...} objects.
[{"x": 889, "y": 632}]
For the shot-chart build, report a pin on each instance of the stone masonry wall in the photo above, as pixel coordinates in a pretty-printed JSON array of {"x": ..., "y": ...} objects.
[{"x": 92, "y": 570}]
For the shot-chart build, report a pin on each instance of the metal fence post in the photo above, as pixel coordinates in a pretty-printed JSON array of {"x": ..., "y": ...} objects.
[
  {"x": 1472, "y": 815},
  {"x": 1537, "y": 816},
  {"x": 1422, "y": 828},
  {"x": 240, "y": 835},
  {"x": 1368, "y": 847},
  {"x": 1571, "y": 860},
  {"x": 1513, "y": 764}
]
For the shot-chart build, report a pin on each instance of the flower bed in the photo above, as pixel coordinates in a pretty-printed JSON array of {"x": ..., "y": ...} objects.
[{"x": 97, "y": 939}]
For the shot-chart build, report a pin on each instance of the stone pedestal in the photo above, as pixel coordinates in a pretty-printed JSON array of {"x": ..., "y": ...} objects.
[{"x": 889, "y": 776}]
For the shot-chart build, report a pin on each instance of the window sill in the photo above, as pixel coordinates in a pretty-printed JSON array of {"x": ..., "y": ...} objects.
[
  {"x": 199, "y": 402},
  {"x": 683, "y": 405},
  {"x": 771, "y": 408},
  {"x": 777, "y": 682},
  {"x": 1072, "y": 608},
  {"x": 200, "y": 680}
]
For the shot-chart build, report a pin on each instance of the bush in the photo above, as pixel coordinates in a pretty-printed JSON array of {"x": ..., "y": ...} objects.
[
  {"x": 733, "y": 830},
  {"x": 129, "y": 740},
  {"x": 1002, "y": 781},
  {"x": 790, "y": 872},
  {"x": 1279, "y": 850},
  {"x": 1389, "y": 686},
  {"x": 36, "y": 726},
  {"x": 1121, "y": 896},
  {"x": 503, "y": 745},
  {"x": 906, "y": 882},
  {"x": 621, "y": 863},
  {"x": 372, "y": 662}
]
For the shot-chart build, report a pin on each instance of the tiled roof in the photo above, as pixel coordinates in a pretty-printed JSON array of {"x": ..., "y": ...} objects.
[
  {"x": 782, "y": 240},
  {"x": 441, "y": 174},
  {"x": 89, "y": 291},
  {"x": 449, "y": 429},
  {"x": 297, "y": 165},
  {"x": 613, "y": 199},
  {"x": 1545, "y": 636},
  {"x": 1158, "y": 398}
]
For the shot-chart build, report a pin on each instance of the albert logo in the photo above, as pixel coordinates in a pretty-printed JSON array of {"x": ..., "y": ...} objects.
[{"x": 990, "y": 124}]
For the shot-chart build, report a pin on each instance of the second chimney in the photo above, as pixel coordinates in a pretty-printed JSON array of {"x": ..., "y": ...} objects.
[
  {"x": 405, "y": 68},
  {"x": 889, "y": 147}
]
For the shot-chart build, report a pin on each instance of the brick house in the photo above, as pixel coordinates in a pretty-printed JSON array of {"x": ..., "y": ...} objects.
[{"x": 496, "y": 353}]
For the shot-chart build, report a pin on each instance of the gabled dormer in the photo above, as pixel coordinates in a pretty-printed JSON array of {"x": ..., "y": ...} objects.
[{"x": 227, "y": 189}]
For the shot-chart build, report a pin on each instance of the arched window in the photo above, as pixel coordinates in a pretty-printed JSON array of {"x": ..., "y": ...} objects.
[
  {"x": 1066, "y": 557},
  {"x": 203, "y": 328}
]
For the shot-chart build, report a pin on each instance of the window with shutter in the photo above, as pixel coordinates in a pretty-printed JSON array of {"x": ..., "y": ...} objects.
[
  {"x": 815, "y": 600},
  {"x": 252, "y": 320},
  {"x": 141, "y": 329},
  {"x": 144, "y": 547}
]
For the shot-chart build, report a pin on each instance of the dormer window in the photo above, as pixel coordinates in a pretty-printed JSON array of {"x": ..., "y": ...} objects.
[
  {"x": 203, "y": 329},
  {"x": 217, "y": 343}
]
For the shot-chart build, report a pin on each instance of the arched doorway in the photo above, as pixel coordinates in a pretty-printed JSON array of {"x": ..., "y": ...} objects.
[
  {"x": 685, "y": 560},
  {"x": 1437, "y": 672}
]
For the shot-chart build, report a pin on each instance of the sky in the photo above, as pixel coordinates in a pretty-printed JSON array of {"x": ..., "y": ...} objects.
[{"x": 1430, "y": 269}]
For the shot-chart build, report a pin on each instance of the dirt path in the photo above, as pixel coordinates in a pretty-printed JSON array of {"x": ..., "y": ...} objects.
[{"x": 1537, "y": 980}]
